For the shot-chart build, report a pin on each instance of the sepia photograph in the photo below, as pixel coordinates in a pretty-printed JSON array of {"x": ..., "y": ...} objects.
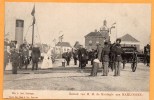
[{"x": 76, "y": 49}]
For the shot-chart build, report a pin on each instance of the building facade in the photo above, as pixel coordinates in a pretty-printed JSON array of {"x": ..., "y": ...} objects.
[
  {"x": 128, "y": 40},
  {"x": 97, "y": 37},
  {"x": 62, "y": 47}
]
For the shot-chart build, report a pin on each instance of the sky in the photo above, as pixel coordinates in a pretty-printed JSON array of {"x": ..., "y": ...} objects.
[{"x": 75, "y": 20}]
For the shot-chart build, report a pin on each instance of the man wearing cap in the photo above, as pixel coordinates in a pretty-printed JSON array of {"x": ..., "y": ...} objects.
[
  {"x": 75, "y": 56},
  {"x": 105, "y": 58},
  {"x": 68, "y": 57},
  {"x": 35, "y": 56},
  {"x": 25, "y": 56},
  {"x": 118, "y": 59},
  {"x": 112, "y": 57},
  {"x": 15, "y": 60},
  {"x": 82, "y": 56}
]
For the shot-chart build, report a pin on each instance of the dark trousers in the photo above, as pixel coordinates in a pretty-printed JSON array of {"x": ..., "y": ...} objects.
[
  {"x": 148, "y": 60},
  {"x": 112, "y": 65},
  {"x": 26, "y": 62},
  {"x": 117, "y": 68},
  {"x": 14, "y": 68},
  {"x": 68, "y": 62},
  {"x": 83, "y": 64},
  {"x": 105, "y": 68},
  {"x": 75, "y": 61},
  {"x": 34, "y": 64},
  {"x": 92, "y": 60}
]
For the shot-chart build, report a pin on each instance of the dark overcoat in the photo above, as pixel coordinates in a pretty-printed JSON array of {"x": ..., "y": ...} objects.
[{"x": 35, "y": 54}]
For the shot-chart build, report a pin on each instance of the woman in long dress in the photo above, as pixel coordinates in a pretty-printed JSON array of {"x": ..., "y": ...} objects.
[{"x": 47, "y": 61}]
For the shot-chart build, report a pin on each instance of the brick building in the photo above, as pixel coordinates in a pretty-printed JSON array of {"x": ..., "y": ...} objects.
[{"x": 97, "y": 37}]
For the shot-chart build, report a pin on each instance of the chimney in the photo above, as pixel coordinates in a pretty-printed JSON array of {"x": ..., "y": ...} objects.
[{"x": 19, "y": 31}]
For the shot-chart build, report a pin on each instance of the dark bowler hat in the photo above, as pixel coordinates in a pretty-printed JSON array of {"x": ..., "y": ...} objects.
[
  {"x": 106, "y": 43},
  {"x": 118, "y": 40}
]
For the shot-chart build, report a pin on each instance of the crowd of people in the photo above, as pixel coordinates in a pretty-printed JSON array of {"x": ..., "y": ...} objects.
[
  {"x": 110, "y": 56},
  {"x": 103, "y": 55},
  {"x": 20, "y": 56}
]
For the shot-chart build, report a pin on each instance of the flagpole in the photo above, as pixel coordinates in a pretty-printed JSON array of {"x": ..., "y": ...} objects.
[
  {"x": 33, "y": 32},
  {"x": 33, "y": 14},
  {"x": 116, "y": 31}
]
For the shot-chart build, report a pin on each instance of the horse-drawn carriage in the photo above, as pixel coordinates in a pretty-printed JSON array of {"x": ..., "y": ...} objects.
[{"x": 130, "y": 55}]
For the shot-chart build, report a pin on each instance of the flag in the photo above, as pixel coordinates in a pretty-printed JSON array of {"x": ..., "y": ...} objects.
[
  {"x": 33, "y": 11},
  {"x": 114, "y": 23}
]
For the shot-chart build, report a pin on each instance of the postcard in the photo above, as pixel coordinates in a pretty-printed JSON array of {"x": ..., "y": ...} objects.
[{"x": 77, "y": 51}]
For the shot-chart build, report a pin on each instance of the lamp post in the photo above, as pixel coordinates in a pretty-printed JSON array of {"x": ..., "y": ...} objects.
[{"x": 110, "y": 29}]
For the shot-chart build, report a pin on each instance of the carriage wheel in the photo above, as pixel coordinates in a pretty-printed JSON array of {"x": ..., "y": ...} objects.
[{"x": 134, "y": 66}]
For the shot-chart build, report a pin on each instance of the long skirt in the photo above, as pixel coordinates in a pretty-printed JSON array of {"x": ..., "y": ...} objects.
[
  {"x": 94, "y": 69},
  {"x": 47, "y": 62}
]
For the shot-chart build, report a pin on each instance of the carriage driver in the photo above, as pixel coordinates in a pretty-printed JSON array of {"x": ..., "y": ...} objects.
[{"x": 118, "y": 59}]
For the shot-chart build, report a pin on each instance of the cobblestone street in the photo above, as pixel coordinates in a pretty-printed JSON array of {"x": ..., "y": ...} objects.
[{"x": 72, "y": 78}]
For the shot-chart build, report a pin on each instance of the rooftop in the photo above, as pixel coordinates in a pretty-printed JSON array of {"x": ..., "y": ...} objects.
[
  {"x": 128, "y": 38},
  {"x": 96, "y": 33},
  {"x": 64, "y": 44}
]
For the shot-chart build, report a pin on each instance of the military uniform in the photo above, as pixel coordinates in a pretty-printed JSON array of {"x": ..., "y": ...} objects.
[
  {"x": 25, "y": 57},
  {"x": 105, "y": 59},
  {"x": 147, "y": 54},
  {"x": 91, "y": 56},
  {"x": 15, "y": 61},
  {"x": 99, "y": 51},
  {"x": 75, "y": 57},
  {"x": 20, "y": 57},
  {"x": 82, "y": 56},
  {"x": 68, "y": 57},
  {"x": 112, "y": 57},
  {"x": 118, "y": 59},
  {"x": 35, "y": 57}
]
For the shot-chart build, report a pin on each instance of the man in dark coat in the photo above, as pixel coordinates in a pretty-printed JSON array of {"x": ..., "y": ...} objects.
[
  {"x": 91, "y": 56},
  {"x": 82, "y": 56},
  {"x": 35, "y": 57},
  {"x": 112, "y": 56},
  {"x": 105, "y": 58},
  {"x": 75, "y": 56},
  {"x": 118, "y": 59},
  {"x": 25, "y": 54},
  {"x": 147, "y": 54},
  {"x": 68, "y": 57},
  {"x": 15, "y": 60}
]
